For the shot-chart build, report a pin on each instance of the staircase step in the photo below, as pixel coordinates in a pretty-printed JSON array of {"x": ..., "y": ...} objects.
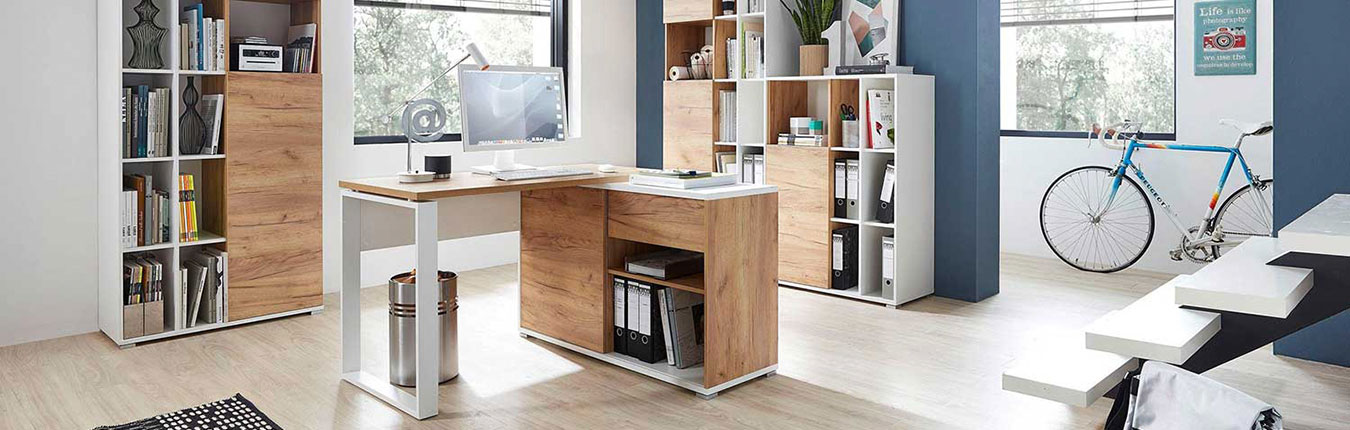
[
  {"x": 1069, "y": 374},
  {"x": 1154, "y": 328},
  {"x": 1324, "y": 229},
  {"x": 1241, "y": 281}
]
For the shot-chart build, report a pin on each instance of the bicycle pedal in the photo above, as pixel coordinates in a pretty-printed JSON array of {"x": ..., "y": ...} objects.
[{"x": 1176, "y": 255}]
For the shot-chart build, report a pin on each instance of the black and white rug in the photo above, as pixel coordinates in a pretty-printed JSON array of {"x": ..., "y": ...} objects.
[{"x": 234, "y": 413}]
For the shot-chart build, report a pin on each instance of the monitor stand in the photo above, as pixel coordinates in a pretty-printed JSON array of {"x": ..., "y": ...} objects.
[{"x": 502, "y": 161}]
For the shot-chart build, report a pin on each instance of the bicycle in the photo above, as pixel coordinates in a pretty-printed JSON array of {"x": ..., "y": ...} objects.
[{"x": 1094, "y": 224}]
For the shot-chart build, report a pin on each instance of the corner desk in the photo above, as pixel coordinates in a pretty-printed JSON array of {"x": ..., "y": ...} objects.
[{"x": 574, "y": 235}]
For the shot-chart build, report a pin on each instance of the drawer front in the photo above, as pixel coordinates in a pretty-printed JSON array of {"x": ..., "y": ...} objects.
[
  {"x": 562, "y": 266},
  {"x": 658, "y": 220}
]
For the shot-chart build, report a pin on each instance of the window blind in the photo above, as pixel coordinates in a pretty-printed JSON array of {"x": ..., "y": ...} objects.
[
  {"x": 512, "y": 7},
  {"x": 1015, "y": 13}
]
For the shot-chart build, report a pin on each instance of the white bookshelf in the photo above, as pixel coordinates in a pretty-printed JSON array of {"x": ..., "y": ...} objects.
[
  {"x": 913, "y": 154},
  {"x": 114, "y": 51}
]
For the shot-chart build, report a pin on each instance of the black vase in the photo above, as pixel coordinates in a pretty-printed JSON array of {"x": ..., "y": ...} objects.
[
  {"x": 145, "y": 38},
  {"x": 191, "y": 126}
]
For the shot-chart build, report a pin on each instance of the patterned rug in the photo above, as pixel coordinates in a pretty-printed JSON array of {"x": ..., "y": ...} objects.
[{"x": 234, "y": 413}]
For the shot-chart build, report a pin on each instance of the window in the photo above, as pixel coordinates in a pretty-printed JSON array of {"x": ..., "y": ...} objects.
[
  {"x": 1067, "y": 64},
  {"x": 403, "y": 45}
]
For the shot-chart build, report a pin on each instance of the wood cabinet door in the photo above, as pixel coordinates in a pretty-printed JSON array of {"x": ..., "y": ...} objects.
[
  {"x": 562, "y": 265},
  {"x": 805, "y": 201},
  {"x": 688, "y": 125},
  {"x": 273, "y": 192},
  {"x": 689, "y": 10}
]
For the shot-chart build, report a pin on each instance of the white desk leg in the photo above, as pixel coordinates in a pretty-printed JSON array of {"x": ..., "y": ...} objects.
[
  {"x": 428, "y": 325},
  {"x": 350, "y": 295}
]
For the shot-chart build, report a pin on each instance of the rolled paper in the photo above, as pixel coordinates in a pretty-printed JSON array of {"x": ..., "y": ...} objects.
[
  {"x": 707, "y": 51},
  {"x": 679, "y": 73}
]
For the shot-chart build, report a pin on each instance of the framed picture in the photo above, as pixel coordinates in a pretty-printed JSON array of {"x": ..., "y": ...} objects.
[
  {"x": 1225, "y": 37},
  {"x": 871, "y": 31}
]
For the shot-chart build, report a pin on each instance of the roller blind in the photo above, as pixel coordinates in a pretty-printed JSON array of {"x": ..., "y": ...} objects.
[
  {"x": 514, "y": 7},
  {"x": 1015, "y": 13}
]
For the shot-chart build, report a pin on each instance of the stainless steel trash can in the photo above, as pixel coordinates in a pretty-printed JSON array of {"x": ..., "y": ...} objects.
[{"x": 403, "y": 328}]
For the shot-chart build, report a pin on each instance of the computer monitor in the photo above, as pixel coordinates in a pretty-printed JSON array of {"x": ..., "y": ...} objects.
[{"x": 505, "y": 108}]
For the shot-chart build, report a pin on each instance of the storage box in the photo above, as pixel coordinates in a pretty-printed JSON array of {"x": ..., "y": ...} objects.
[
  {"x": 133, "y": 321},
  {"x": 154, "y": 318}
]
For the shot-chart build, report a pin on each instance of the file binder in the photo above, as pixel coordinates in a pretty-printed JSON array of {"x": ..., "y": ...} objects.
[
  {"x": 650, "y": 347},
  {"x": 668, "y": 328},
  {"x": 888, "y": 267},
  {"x": 840, "y": 187},
  {"x": 748, "y": 169},
  {"x": 759, "y": 168},
  {"x": 886, "y": 201},
  {"x": 844, "y": 264},
  {"x": 634, "y": 317},
  {"x": 620, "y": 316},
  {"x": 852, "y": 190}
]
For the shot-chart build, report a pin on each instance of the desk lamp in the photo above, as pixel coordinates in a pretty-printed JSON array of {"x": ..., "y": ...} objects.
[{"x": 423, "y": 120}]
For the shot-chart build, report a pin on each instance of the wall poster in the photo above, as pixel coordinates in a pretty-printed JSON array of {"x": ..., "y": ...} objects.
[{"x": 1225, "y": 37}]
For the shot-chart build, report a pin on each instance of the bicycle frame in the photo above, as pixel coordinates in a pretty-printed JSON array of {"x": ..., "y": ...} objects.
[{"x": 1234, "y": 154}]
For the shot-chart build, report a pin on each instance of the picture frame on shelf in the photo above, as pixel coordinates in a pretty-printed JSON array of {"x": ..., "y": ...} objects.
[{"x": 871, "y": 32}]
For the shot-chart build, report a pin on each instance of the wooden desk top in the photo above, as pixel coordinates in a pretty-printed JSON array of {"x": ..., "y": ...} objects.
[{"x": 469, "y": 184}]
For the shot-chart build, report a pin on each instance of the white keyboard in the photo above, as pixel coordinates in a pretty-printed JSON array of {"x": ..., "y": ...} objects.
[{"x": 520, "y": 175}]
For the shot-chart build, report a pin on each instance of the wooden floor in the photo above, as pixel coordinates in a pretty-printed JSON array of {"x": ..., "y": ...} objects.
[{"x": 935, "y": 363}]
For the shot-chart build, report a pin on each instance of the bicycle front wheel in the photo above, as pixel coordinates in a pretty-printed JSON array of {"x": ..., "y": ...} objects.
[{"x": 1089, "y": 230}]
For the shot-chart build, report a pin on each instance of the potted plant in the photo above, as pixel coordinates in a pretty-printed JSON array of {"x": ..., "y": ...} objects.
[{"x": 812, "y": 18}]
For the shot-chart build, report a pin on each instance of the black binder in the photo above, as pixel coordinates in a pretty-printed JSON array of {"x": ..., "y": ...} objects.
[
  {"x": 632, "y": 344},
  {"x": 620, "y": 316},
  {"x": 844, "y": 259},
  {"x": 647, "y": 343},
  {"x": 886, "y": 200},
  {"x": 840, "y": 189}
]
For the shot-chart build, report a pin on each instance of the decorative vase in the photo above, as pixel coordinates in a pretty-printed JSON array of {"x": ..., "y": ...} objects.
[
  {"x": 145, "y": 38},
  {"x": 813, "y": 59},
  {"x": 191, "y": 126}
]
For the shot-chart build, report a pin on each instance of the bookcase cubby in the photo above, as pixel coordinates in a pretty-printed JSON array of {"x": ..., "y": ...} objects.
[
  {"x": 804, "y": 174},
  {"x": 228, "y": 214}
]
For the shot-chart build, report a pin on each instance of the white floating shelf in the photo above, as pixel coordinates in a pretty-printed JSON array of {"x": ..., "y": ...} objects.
[
  {"x": 155, "y": 247},
  {"x": 753, "y": 15},
  {"x": 843, "y": 149},
  {"x": 207, "y": 238},
  {"x": 879, "y": 224},
  {"x": 1324, "y": 229},
  {"x": 147, "y": 71},
  {"x": 1067, "y": 374},
  {"x": 1241, "y": 281},
  {"x": 845, "y": 221},
  {"x": 1154, "y": 328},
  {"x": 201, "y": 157},
  {"x": 200, "y": 73},
  {"x": 725, "y": 17}
]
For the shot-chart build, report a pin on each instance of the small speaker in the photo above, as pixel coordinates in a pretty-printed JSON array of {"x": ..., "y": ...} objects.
[{"x": 438, "y": 164}]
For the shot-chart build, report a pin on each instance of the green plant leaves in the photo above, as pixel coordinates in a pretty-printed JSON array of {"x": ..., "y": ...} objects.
[{"x": 812, "y": 18}]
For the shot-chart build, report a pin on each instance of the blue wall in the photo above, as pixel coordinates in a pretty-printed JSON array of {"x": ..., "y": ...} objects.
[
  {"x": 1311, "y": 151},
  {"x": 650, "y": 57},
  {"x": 958, "y": 41},
  {"x": 955, "y": 40}
]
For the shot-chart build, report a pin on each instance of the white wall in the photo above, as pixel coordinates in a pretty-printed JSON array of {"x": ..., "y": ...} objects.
[
  {"x": 602, "y": 96},
  {"x": 47, "y": 221},
  {"x": 1186, "y": 180}
]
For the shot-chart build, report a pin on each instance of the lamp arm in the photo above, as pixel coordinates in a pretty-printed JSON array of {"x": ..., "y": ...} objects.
[{"x": 428, "y": 85}]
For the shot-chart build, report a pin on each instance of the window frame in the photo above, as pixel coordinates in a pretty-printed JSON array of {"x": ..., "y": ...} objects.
[
  {"x": 1165, "y": 137},
  {"x": 558, "y": 50}
]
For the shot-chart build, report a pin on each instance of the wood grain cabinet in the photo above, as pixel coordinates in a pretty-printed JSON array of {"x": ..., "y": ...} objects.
[
  {"x": 805, "y": 202},
  {"x": 687, "y": 122},
  {"x": 273, "y": 191}
]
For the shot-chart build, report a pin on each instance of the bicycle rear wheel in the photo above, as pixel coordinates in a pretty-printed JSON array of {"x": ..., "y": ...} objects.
[
  {"x": 1083, "y": 231},
  {"x": 1246, "y": 214}
]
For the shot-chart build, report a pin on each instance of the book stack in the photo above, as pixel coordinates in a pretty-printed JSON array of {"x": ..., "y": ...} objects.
[
  {"x": 145, "y": 121},
  {"x": 299, "y": 56},
  {"x": 145, "y": 212},
  {"x": 791, "y": 139},
  {"x": 880, "y": 119},
  {"x": 682, "y": 317},
  {"x": 201, "y": 44},
  {"x": 654, "y": 323},
  {"x": 753, "y": 57},
  {"x": 142, "y": 295},
  {"x": 681, "y": 179},
  {"x": 203, "y": 289},
  {"x": 726, "y": 122},
  {"x": 187, "y": 209},
  {"x": 665, "y": 264}
]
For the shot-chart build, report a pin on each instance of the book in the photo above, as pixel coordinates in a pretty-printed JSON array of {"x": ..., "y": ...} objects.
[
  {"x": 211, "y": 108},
  {"x": 881, "y": 118},
  {"x": 665, "y": 315},
  {"x": 801, "y": 139},
  {"x": 187, "y": 209},
  {"x": 686, "y": 326},
  {"x": 726, "y": 162},
  {"x": 197, "y": 274},
  {"x": 299, "y": 56},
  {"x": 712, "y": 180},
  {"x": 869, "y": 69},
  {"x": 665, "y": 264}
]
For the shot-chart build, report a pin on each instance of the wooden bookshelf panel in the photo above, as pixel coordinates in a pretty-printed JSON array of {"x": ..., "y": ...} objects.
[
  {"x": 722, "y": 31},
  {"x": 741, "y": 319},
  {"x": 690, "y": 10},
  {"x": 786, "y": 100},
  {"x": 689, "y": 124},
  {"x": 805, "y": 203},
  {"x": 842, "y": 92},
  {"x": 683, "y": 40},
  {"x": 563, "y": 289}
]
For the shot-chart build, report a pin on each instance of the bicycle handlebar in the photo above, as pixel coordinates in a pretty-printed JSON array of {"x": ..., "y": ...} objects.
[{"x": 1116, "y": 132}]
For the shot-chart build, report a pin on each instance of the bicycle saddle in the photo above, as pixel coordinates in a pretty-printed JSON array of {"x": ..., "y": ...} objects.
[{"x": 1250, "y": 128}]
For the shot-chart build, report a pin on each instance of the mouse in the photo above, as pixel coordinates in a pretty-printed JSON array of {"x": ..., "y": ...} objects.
[{"x": 606, "y": 168}]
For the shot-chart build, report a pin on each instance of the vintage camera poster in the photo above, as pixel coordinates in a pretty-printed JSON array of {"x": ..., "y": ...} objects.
[{"x": 1225, "y": 37}]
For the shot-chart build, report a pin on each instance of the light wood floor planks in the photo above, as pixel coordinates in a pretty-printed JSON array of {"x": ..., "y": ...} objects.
[{"x": 935, "y": 363}]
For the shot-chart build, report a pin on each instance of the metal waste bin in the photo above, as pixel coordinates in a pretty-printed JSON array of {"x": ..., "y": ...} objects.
[{"x": 403, "y": 328}]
